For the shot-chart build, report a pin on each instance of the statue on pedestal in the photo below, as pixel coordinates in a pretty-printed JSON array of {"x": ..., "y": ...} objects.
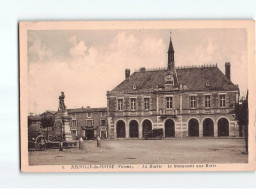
[
  {"x": 62, "y": 120},
  {"x": 62, "y": 106}
]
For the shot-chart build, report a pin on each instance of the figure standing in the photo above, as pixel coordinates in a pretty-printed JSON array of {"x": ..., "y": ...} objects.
[{"x": 62, "y": 106}]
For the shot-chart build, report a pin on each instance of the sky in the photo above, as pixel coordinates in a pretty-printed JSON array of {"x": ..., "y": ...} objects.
[{"x": 85, "y": 64}]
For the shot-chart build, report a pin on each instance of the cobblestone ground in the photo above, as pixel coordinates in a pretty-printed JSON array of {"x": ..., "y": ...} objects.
[{"x": 190, "y": 150}]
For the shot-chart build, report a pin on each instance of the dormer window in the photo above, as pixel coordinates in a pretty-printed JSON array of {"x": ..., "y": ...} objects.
[
  {"x": 89, "y": 114},
  {"x": 134, "y": 87}
]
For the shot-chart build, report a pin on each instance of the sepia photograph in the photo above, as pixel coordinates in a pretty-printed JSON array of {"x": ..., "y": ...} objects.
[{"x": 129, "y": 96}]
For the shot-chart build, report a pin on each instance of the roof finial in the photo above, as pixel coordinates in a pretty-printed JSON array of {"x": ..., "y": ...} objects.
[{"x": 170, "y": 54}]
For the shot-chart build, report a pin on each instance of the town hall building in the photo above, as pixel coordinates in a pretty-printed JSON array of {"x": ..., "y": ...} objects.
[{"x": 192, "y": 101}]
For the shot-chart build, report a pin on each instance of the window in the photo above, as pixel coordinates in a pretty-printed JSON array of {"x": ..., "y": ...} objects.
[
  {"x": 73, "y": 123},
  {"x": 89, "y": 123},
  {"x": 169, "y": 102},
  {"x": 222, "y": 101},
  {"x": 207, "y": 101},
  {"x": 146, "y": 103},
  {"x": 192, "y": 101},
  {"x": 133, "y": 104},
  {"x": 74, "y": 133},
  {"x": 89, "y": 114},
  {"x": 120, "y": 104},
  {"x": 102, "y": 122}
]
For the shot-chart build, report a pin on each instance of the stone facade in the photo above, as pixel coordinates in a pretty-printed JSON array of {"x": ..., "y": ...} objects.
[
  {"x": 181, "y": 101},
  {"x": 88, "y": 123}
]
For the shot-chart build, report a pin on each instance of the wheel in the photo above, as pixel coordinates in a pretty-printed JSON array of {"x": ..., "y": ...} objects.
[{"x": 40, "y": 143}]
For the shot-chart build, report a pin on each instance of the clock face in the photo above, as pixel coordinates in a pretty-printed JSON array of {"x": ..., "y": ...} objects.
[{"x": 169, "y": 77}]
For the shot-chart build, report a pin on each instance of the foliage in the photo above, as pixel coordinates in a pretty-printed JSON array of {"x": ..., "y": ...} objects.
[
  {"x": 29, "y": 121},
  {"x": 47, "y": 121},
  {"x": 241, "y": 115},
  {"x": 241, "y": 112}
]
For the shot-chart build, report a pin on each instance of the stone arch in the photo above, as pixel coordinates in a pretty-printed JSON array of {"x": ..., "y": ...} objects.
[
  {"x": 169, "y": 128},
  {"x": 120, "y": 129},
  {"x": 193, "y": 127},
  {"x": 147, "y": 126},
  {"x": 223, "y": 126},
  {"x": 134, "y": 128},
  {"x": 208, "y": 127}
]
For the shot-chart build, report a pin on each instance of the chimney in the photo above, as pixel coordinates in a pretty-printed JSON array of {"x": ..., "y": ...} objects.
[
  {"x": 127, "y": 74},
  {"x": 227, "y": 70}
]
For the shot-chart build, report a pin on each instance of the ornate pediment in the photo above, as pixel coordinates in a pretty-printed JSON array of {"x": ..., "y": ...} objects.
[{"x": 169, "y": 78}]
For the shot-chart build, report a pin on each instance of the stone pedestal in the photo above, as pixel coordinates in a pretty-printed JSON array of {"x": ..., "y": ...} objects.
[{"x": 62, "y": 116}]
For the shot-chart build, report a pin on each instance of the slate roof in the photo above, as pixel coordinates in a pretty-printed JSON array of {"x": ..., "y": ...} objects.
[
  {"x": 195, "y": 78},
  {"x": 47, "y": 113},
  {"x": 79, "y": 110}
]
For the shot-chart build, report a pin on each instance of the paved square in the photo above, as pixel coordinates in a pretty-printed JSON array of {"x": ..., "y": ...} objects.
[{"x": 189, "y": 150}]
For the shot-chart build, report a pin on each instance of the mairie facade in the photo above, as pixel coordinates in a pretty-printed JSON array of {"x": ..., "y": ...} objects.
[{"x": 192, "y": 101}]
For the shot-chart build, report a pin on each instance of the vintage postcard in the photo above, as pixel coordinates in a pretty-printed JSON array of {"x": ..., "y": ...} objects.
[{"x": 137, "y": 96}]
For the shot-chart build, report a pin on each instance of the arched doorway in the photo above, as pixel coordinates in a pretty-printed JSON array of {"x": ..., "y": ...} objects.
[
  {"x": 120, "y": 129},
  {"x": 134, "y": 128},
  {"x": 193, "y": 128},
  {"x": 208, "y": 127},
  {"x": 169, "y": 128},
  {"x": 223, "y": 127},
  {"x": 147, "y": 127}
]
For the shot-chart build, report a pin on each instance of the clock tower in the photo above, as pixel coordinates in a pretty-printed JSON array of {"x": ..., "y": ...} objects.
[{"x": 171, "y": 81}]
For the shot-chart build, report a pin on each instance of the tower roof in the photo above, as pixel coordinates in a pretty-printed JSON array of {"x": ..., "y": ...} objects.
[{"x": 170, "y": 50}]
